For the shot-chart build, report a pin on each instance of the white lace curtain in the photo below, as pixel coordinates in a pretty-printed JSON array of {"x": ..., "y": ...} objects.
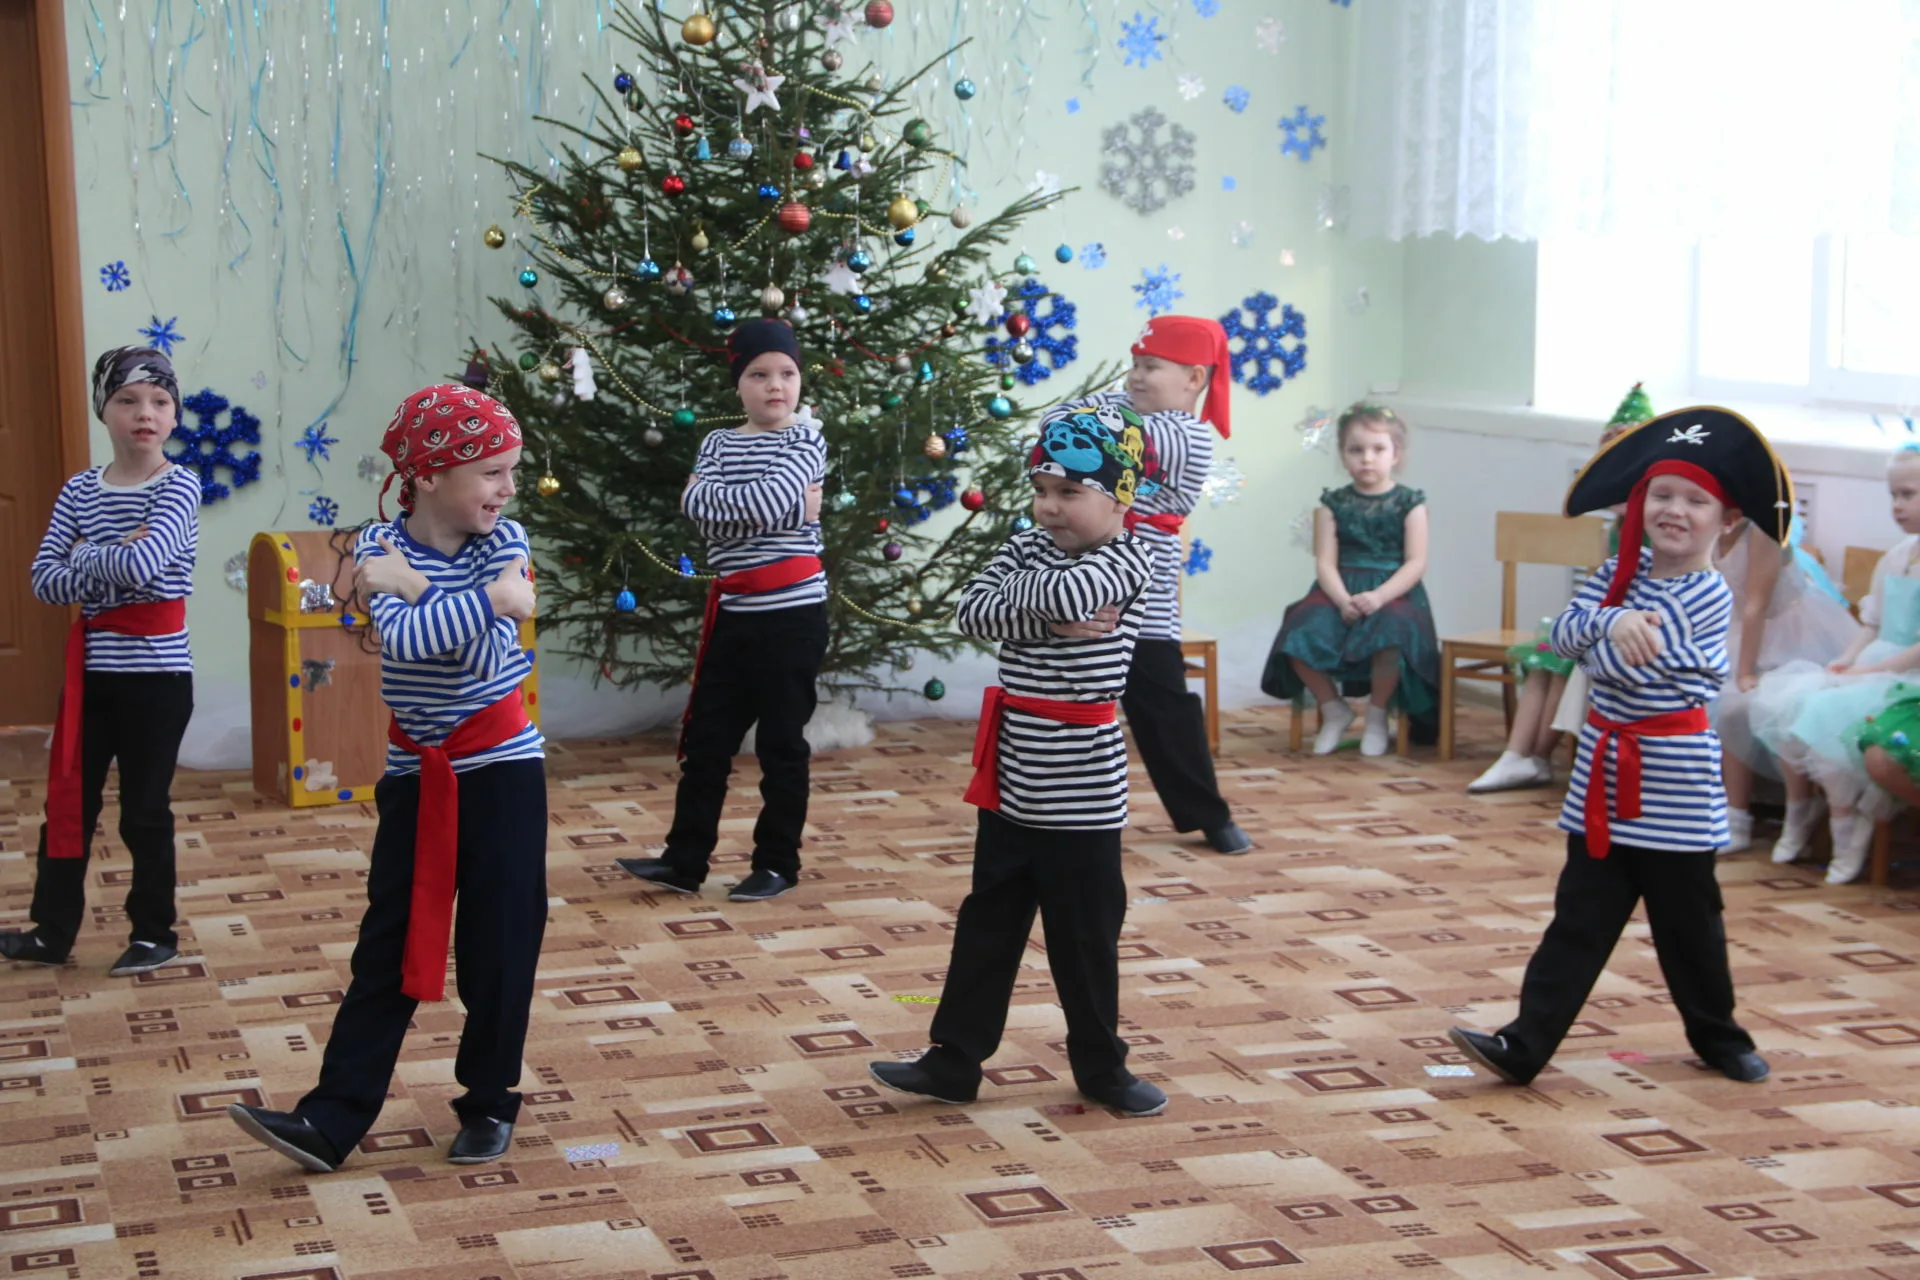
[{"x": 1525, "y": 118}]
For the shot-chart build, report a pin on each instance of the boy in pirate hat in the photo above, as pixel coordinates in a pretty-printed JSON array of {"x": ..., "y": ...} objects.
[
  {"x": 1065, "y": 600},
  {"x": 1180, "y": 365},
  {"x": 1645, "y": 809}
]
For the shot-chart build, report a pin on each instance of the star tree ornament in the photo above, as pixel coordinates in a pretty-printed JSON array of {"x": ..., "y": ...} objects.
[
  {"x": 760, "y": 88},
  {"x": 840, "y": 278},
  {"x": 1261, "y": 343},
  {"x": 838, "y": 27},
  {"x": 985, "y": 302},
  {"x": 1141, "y": 168}
]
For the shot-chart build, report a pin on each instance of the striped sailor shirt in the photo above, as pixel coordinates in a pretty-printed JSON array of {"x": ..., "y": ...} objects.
[
  {"x": 749, "y": 503},
  {"x": 1052, "y": 774},
  {"x": 1683, "y": 803},
  {"x": 446, "y": 655},
  {"x": 104, "y": 571}
]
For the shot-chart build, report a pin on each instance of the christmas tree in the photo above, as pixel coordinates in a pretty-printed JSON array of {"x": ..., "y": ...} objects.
[
  {"x": 741, "y": 167},
  {"x": 1634, "y": 409}
]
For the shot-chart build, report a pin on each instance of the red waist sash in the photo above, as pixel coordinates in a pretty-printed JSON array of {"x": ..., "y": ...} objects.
[
  {"x": 65, "y": 839},
  {"x": 984, "y": 790},
  {"x": 1626, "y": 774},
  {"x": 436, "y": 839},
  {"x": 747, "y": 582},
  {"x": 1164, "y": 521}
]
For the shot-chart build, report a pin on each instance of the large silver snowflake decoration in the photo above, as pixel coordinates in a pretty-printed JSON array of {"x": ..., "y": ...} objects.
[
  {"x": 1224, "y": 481},
  {"x": 1317, "y": 428},
  {"x": 1141, "y": 168}
]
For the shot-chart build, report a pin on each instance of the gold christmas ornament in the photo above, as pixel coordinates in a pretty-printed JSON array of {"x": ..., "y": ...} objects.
[
  {"x": 549, "y": 371},
  {"x": 699, "y": 241},
  {"x": 547, "y": 485},
  {"x": 493, "y": 236},
  {"x": 614, "y": 298},
  {"x": 772, "y": 299},
  {"x": 698, "y": 30},
  {"x": 903, "y": 212},
  {"x": 915, "y": 605},
  {"x": 934, "y": 446},
  {"x": 629, "y": 159}
]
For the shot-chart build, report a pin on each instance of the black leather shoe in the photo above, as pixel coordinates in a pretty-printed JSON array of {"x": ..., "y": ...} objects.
[
  {"x": 1136, "y": 1099},
  {"x": 911, "y": 1077},
  {"x": 29, "y": 948},
  {"x": 1229, "y": 839},
  {"x": 292, "y": 1137},
  {"x": 655, "y": 871},
  {"x": 481, "y": 1140},
  {"x": 760, "y": 886},
  {"x": 143, "y": 957},
  {"x": 1491, "y": 1052},
  {"x": 1747, "y": 1068}
]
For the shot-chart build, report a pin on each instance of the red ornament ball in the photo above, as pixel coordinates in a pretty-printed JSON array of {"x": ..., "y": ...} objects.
[
  {"x": 973, "y": 499},
  {"x": 683, "y": 124},
  {"x": 1018, "y": 323},
  {"x": 795, "y": 217},
  {"x": 673, "y": 184},
  {"x": 882, "y": 525},
  {"x": 803, "y": 160},
  {"x": 879, "y": 13}
]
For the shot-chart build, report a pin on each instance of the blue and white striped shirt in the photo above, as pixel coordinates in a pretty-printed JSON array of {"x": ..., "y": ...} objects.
[
  {"x": 446, "y": 655},
  {"x": 104, "y": 572},
  {"x": 749, "y": 503},
  {"x": 1683, "y": 803}
]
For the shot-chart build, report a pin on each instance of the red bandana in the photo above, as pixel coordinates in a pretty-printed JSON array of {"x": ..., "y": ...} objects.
[
  {"x": 1633, "y": 523},
  {"x": 446, "y": 425},
  {"x": 1192, "y": 340}
]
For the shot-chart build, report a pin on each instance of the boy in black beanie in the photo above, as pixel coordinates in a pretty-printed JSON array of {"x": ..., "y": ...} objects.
[{"x": 755, "y": 496}]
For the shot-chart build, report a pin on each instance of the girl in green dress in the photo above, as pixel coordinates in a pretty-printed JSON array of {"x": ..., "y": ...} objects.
[{"x": 1366, "y": 618}]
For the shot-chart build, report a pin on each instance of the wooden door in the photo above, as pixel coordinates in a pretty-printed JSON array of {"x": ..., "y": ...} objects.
[{"x": 43, "y": 391}]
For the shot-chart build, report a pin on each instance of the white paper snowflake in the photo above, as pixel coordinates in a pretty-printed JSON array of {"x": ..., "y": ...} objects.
[
  {"x": 1242, "y": 234},
  {"x": 984, "y": 303},
  {"x": 1301, "y": 527},
  {"x": 1224, "y": 481},
  {"x": 1140, "y": 168},
  {"x": 372, "y": 468},
  {"x": 1044, "y": 183},
  {"x": 1317, "y": 428},
  {"x": 1192, "y": 87},
  {"x": 235, "y": 570},
  {"x": 1176, "y": 232},
  {"x": 1269, "y": 35}
]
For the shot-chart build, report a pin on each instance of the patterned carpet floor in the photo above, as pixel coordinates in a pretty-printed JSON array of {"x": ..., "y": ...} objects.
[{"x": 698, "y": 1105}]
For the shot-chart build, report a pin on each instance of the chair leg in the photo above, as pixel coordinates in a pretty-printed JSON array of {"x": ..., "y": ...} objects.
[
  {"x": 1881, "y": 856},
  {"x": 1211, "y": 684},
  {"x": 1446, "y": 704},
  {"x": 1293, "y": 726},
  {"x": 1404, "y": 734}
]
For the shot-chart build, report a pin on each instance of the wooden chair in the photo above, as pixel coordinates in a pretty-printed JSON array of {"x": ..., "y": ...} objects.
[
  {"x": 1200, "y": 654},
  {"x": 1856, "y": 575},
  {"x": 1519, "y": 537}
]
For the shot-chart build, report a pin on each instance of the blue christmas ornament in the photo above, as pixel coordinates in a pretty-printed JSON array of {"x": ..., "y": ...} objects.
[
  {"x": 964, "y": 90},
  {"x": 723, "y": 316},
  {"x": 903, "y": 498},
  {"x": 769, "y": 192},
  {"x": 903, "y": 237},
  {"x": 957, "y": 440},
  {"x": 686, "y": 565},
  {"x": 1022, "y": 523},
  {"x": 862, "y": 303},
  {"x": 529, "y": 277},
  {"x": 1063, "y": 253},
  {"x": 702, "y": 151},
  {"x": 844, "y": 160},
  {"x": 1000, "y": 407},
  {"x": 622, "y": 82},
  {"x": 647, "y": 269},
  {"x": 740, "y": 149},
  {"x": 860, "y": 261},
  {"x": 624, "y": 601},
  {"x": 926, "y": 371}
]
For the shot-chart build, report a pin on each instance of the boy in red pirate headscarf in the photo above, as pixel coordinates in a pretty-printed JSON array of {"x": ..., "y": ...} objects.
[
  {"x": 1065, "y": 600},
  {"x": 1177, "y": 361},
  {"x": 463, "y": 805},
  {"x": 1645, "y": 810}
]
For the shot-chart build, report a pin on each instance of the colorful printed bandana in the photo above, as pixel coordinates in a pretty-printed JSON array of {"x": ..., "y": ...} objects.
[
  {"x": 1102, "y": 446},
  {"x": 122, "y": 365},
  {"x": 446, "y": 425}
]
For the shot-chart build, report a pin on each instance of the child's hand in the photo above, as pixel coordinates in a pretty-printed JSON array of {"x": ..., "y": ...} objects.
[
  {"x": 1637, "y": 636},
  {"x": 1747, "y": 683},
  {"x": 511, "y": 594},
  {"x": 812, "y": 509},
  {"x": 1367, "y": 603},
  {"x": 135, "y": 536},
  {"x": 388, "y": 574},
  {"x": 1103, "y": 621},
  {"x": 1839, "y": 666},
  {"x": 1349, "y": 611}
]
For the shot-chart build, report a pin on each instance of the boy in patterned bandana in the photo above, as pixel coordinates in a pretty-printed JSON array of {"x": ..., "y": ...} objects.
[
  {"x": 463, "y": 805},
  {"x": 1065, "y": 600}
]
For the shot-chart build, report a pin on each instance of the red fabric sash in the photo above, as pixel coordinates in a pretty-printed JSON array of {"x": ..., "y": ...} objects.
[
  {"x": 1164, "y": 521},
  {"x": 1627, "y": 768},
  {"x": 984, "y": 790},
  {"x": 436, "y": 839},
  {"x": 747, "y": 582},
  {"x": 65, "y": 839}
]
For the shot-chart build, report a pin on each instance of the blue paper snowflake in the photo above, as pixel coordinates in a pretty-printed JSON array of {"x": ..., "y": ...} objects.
[
  {"x": 1206, "y": 8},
  {"x": 114, "y": 276},
  {"x": 209, "y": 446},
  {"x": 1058, "y": 351},
  {"x": 1140, "y": 40},
  {"x": 323, "y": 511},
  {"x": 162, "y": 334},
  {"x": 1303, "y": 134},
  {"x": 1199, "y": 558},
  {"x": 1260, "y": 343},
  {"x": 1073, "y": 106},
  {"x": 1229, "y": 183},
  {"x": 929, "y": 494},
  {"x": 315, "y": 441},
  {"x": 1236, "y": 98},
  {"x": 1093, "y": 256},
  {"x": 1159, "y": 289}
]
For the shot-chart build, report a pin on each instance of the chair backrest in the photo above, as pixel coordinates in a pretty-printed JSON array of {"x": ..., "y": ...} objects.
[
  {"x": 1856, "y": 573},
  {"x": 1529, "y": 537}
]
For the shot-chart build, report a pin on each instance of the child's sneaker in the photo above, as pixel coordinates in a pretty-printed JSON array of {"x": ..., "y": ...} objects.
[
  {"x": 143, "y": 957},
  {"x": 29, "y": 947},
  {"x": 1852, "y": 841},
  {"x": 1510, "y": 772},
  {"x": 1739, "y": 831},
  {"x": 1335, "y": 716},
  {"x": 1373, "y": 739}
]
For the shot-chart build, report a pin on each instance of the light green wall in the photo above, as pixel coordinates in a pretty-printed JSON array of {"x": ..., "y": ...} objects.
[{"x": 1472, "y": 304}]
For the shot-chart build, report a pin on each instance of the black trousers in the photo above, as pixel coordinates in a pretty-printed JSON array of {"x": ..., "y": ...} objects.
[
  {"x": 1591, "y": 907},
  {"x": 138, "y": 719},
  {"x": 1073, "y": 878},
  {"x": 499, "y": 917},
  {"x": 760, "y": 668},
  {"x": 1169, "y": 725}
]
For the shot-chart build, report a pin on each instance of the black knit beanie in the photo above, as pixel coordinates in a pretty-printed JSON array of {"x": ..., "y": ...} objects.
[{"x": 756, "y": 338}]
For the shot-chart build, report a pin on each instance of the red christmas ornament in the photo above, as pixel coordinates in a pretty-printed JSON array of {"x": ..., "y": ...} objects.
[
  {"x": 972, "y": 498},
  {"x": 673, "y": 184},
  {"x": 1018, "y": 324},
  {"x": 882, "y": 525},
  {"x": 795, "y": 217},
  {"x": 879, "y": 13},
  {"x": 803, "y": 160},
  {"x": 683, "y": 124}
]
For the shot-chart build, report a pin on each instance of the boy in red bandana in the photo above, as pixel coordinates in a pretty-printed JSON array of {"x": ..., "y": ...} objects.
[{"x": 463, "y": 805}]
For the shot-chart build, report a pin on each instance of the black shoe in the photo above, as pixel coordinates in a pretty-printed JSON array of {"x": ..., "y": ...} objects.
[
  {"x": 481, "y": 1139},
  {"x": 292, "y": 1137},
  {"x": 1135, "y": 1099},
  {"x": 911, "y": 1077},
  {"x": 143, "y": 957},
  {"x": 1747, "y": 1068},
  {"x": 1229, "y": 839},
  {"x": 656, "y": 871},
  {"x": 1491, "y": 1052},
  {"x": 29, "y": 947},
  {"x": 760, "y": 886}
]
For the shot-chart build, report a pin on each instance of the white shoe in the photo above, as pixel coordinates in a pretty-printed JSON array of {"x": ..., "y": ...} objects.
[
  {"x": 1511, "y": 771},
  {"x": 1798, "y": 830},
  {"x": 1850, "y": 849},
  {"x": 1739, "y": 832},
  {"x": 1335, "y": 716},
  {"x": 1373, "y": 741},
  {"x": 1542, "y": 771}
]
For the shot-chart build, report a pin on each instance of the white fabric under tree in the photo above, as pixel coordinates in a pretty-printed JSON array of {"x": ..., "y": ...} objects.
[{"x": 1525, "y": 118}]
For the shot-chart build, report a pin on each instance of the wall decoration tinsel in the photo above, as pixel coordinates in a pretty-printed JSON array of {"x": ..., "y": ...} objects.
[
  {"x": 1059, "y": 349},
  {"x": 1142, "y": 169},
  {"x": 1261, "y": 343},
  {"x": 1158, "y": 290},
  {"x": 209, "y": 447},
  {"x": 1303, "y": 134}
]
